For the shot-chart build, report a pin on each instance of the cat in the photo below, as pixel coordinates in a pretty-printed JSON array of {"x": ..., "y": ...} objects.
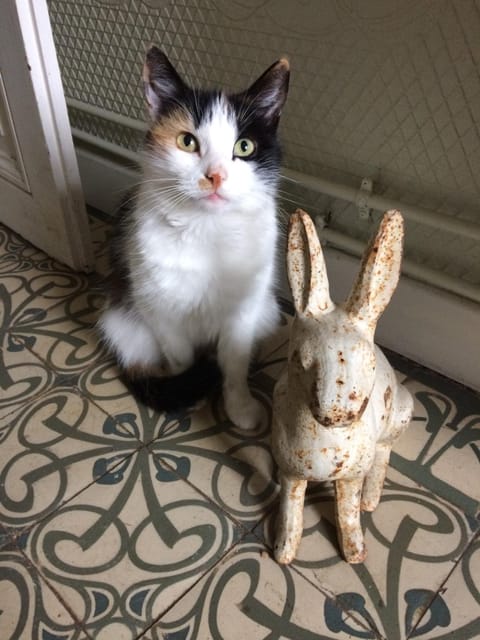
[{"x": 193, "y": 254}]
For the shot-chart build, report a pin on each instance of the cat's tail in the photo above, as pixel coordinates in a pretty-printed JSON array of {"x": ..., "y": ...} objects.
[{"x": 182, "y": 391}]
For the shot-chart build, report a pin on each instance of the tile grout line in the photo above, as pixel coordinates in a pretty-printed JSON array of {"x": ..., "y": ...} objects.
[
  {"x": 442, "y": 588},
  {"x": 109, "y": 415},
  {"x": 75, "y": 388},
  {"x": 16, "y": 535},
  {"x": 333, "y": 596},
  {"x": 14, "y": 539},
  {"x": 251, "y": 531},
  {"x": 43, "y": 579},
  {"x": 83, "y": 285},
  {"x": 27, "y": 401},
  {"x": 239, "y": 523},
  {"x": 322, "y": 589},
  {"x": 212, "y": 570}
]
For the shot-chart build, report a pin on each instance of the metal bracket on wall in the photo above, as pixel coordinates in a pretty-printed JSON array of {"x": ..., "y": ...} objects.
[{"x": 363, "y": 199}]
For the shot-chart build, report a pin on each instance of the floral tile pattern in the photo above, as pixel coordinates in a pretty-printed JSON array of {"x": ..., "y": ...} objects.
[
  {"x": 52, "y": 448},
  {"x": 460, "y": 596},
  {"x": 444, "y": 439},
  {"x": 30, "y": 608},
  {"x": 117, "y": 522},
  {"x": 126, "y": 548},
  {"x": 23, "y": 376},
  {"x": 413, "y": 542},
  {"x": 251, "y": 596}
]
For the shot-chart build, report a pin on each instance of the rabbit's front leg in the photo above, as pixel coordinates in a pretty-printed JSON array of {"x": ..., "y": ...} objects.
[
  {"x": 348, "y": 494},
  {"x": 290, "y": 518},
  {"x": 373, "y": 483}
]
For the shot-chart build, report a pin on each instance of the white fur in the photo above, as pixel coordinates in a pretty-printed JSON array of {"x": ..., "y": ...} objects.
[
  {"x": 202, "y": 271},
  {"x": 136, "y": 339}
]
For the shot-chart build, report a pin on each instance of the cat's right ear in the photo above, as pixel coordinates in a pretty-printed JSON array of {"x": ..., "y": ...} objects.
[{"x": 161, "y": 82}]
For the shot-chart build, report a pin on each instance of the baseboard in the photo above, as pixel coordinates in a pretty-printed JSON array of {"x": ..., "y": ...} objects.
[
  {"x": 425, "y": 324},
  {"x": 104, "y": 179}
]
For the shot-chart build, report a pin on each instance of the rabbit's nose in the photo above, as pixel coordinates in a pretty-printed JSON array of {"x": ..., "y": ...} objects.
[{"x": 337, "y": 415}]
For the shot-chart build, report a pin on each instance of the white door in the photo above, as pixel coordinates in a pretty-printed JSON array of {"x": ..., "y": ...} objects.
[{"x": 40, "y": 191}]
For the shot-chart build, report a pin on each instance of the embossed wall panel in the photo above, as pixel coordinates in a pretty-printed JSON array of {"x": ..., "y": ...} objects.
[{"x": 388, "y": 90}]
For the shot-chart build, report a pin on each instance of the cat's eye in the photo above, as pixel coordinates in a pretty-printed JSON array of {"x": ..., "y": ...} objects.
[
  {"x": 187, "y": 142},
  {"x": 243, "y": 148}
]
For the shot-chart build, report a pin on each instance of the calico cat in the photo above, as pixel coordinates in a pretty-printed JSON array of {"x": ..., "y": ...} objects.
[{"x": 193, "y": 253}]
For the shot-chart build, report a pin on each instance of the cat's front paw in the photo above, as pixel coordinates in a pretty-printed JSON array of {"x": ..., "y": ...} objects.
[{"x": 245, "y": 412}]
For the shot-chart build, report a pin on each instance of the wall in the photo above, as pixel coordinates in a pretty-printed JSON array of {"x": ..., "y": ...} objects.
[{"x": 383, "y": 89}]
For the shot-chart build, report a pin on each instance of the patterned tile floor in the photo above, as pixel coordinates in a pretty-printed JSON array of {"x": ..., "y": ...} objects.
[{"x": 119, "y": 523}]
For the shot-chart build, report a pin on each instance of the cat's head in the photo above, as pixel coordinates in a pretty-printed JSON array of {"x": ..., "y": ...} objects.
[{"x": 216, "y": 150}]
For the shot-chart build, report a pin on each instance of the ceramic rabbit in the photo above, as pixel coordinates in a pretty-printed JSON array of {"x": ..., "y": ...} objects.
[{"x": 338, "y": 408}]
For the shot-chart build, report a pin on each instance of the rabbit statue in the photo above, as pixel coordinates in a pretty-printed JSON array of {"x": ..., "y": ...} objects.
[{"x": 337, "y": 408}]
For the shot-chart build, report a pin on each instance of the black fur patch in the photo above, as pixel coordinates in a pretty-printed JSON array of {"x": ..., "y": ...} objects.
[
  {"x": 117, "y": 283},
  {"x": 177, "y": 392}
]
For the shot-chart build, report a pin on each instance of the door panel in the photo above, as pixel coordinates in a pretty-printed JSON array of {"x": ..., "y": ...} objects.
[{"x": 40, "y": 191}]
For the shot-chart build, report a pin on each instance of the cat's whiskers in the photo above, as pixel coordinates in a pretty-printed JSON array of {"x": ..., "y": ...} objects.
[
  {"x": 158, "y": 179},
  {"x": 154, "y": 196},
  {"x": 127, "y": 201},
  {"x": 134, "y": 189},
  {"x": 153, "y": 191},
  {"x": 283, "y": 218},
  {"x": 170, "y": 198},
  {"x": 288, "y": 196},
  {"x": 167, "y": 203}
]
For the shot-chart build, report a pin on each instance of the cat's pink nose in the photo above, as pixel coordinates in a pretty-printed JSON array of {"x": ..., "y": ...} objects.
[{"x": 216, "y": 177}]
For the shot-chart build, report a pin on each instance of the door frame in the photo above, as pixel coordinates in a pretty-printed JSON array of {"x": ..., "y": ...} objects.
[{"x": 39, "y": 71}]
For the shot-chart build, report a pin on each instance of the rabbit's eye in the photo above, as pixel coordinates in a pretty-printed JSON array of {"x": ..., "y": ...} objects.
[{"x": 302, "y": 358}]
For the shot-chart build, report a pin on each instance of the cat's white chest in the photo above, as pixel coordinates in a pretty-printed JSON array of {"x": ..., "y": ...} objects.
[
  {"x": 169, "y": 265},
  {"x": 191, "y": 268}
]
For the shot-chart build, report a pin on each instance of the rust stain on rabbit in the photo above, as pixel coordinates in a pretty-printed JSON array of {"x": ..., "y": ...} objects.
[
  {"x": 338, "y": 468},
  {"x": 387, "y": 398},
  {"x": 387, "y": 395},
  {"x": 363, "y": 407}
]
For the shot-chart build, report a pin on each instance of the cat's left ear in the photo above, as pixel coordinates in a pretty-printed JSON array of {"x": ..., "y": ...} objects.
[
  {"x": 161, "y": 81},
  {"x": 269, "y": 92}
]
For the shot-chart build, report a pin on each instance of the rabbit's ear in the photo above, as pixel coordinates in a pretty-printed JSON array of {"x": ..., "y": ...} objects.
[
  {"x": 379, "y": 272},
  {"x": 306, "y": 270}
]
